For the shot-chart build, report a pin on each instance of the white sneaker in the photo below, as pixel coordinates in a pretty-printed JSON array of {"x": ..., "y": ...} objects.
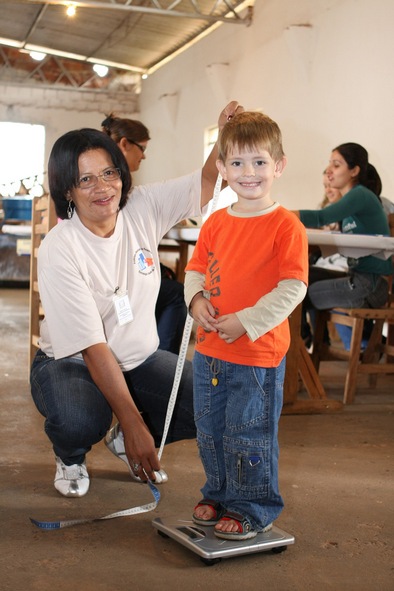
[
  {"x": 71, "y": 481},
  {"x": 115, "y": 442}
]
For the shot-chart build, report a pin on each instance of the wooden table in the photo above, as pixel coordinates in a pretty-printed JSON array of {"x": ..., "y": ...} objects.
[
  {"x": 179, "y": 239},
  {"x": 181, "y": 249},
  {"x": 298, "y": 361},
  {"x": 351, "y": 245}
]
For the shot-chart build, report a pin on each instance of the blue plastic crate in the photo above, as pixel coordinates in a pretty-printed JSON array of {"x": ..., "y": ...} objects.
[{"x": 17, "y": 208}]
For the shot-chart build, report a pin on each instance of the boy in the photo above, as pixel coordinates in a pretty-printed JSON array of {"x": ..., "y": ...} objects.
[{"x": 248, "y": 272}]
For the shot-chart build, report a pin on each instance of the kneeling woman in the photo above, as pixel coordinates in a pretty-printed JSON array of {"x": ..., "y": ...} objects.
[{"x": 99, "y": 277}]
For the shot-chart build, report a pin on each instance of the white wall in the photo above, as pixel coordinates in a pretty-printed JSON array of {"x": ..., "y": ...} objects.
[
  {"x": 327, "y": 83},
  {"x": 324, "y": 84}
]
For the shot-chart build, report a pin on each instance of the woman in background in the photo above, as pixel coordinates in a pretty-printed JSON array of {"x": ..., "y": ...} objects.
[
  {"x": 359, "y": 211},
  {"x": 132, "y": 138}
]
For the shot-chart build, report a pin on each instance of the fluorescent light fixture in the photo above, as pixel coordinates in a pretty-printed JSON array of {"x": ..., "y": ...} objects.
[
  {"x": 100, "y": 70},
  {"x": 67, "y": 55},
  {"x": 37, "y": 55},
  {"x": 82, "y": 58},
  {"x": 11, "y": 42}
]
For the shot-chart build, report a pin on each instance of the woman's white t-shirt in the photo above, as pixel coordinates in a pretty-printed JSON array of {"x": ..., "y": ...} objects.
[{"x": 80, "y": 273}]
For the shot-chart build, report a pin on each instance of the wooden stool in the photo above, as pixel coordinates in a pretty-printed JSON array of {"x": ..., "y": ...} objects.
[{"x": 43, "y": 219}]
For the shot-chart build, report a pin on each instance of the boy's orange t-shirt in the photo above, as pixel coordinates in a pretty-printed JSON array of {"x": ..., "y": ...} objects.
[{"x": 244, "y": 258}]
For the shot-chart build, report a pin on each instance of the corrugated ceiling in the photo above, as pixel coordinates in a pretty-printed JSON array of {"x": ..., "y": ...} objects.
[{"x": 129, "y": 35}]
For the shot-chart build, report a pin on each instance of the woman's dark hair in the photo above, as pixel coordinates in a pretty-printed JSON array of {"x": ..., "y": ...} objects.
[
  {"x": 356, "y": 155},
  {"x": 374, "y": 181},
  {"x": 132, "y": 130},
  {"x": 63, "y": 164}
]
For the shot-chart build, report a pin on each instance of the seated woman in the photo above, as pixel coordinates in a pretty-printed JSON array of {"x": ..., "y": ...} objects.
[
  {"x": 335, "y": 261},
  {"x": 360, "y": 212}
]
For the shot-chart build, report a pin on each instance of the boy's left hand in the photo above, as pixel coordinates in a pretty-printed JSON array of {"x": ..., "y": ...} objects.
[{"x": 229, "y": 328}]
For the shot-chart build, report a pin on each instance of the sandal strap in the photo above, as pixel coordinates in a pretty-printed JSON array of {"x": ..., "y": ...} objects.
[
  {"x": 217, "y": 509},
  {"x": 210, "y": 503},
  {"x": 243, "y": 522}
]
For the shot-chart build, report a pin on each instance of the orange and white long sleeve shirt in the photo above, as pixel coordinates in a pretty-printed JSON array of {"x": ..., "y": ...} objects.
[{"x": 242, "y": 259}]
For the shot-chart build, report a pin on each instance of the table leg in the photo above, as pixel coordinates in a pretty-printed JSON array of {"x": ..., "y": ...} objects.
[
  {"x": 183, "y": 260},
  {"x": 299, "y": 364}
]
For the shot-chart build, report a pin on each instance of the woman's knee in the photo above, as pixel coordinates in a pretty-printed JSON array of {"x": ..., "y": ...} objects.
[{"x": 67, "y": 397}]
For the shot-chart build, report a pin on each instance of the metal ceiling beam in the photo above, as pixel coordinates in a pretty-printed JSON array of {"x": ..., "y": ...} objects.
[
  {"x": 232, "y": 17},
  {"x": 37, "y": 20}
]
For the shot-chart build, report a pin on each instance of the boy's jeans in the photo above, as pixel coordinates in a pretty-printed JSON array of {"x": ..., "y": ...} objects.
[{"x": 237, "y": 435}]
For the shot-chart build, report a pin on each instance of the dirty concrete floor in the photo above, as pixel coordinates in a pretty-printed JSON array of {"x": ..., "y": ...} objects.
[{"x": 336, "y": 475}]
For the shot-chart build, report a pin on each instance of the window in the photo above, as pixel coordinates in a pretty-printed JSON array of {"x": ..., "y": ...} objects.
[
  {"x": 22, "y": 149},
  {"x": 211, "y": 135}
]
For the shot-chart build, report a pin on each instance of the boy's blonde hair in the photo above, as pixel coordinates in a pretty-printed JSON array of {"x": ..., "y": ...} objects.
[{"x": 251, "y": 130}]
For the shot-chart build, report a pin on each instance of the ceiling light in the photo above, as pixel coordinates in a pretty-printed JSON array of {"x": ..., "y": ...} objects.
[
  {"x": 70, "y": 10},
  {"x": 67, "y": 55},
  {"x": 100, "y": 70},
  {"x": 37, "y": 55}
]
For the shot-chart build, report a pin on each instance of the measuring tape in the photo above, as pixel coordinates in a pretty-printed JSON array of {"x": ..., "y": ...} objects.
[
  {"x": 133, "y": 511},
  {"x": 184, "y": 345},
  {"x": 50, "y": 525}
]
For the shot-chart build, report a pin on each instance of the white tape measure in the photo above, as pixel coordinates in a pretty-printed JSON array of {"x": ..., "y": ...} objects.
[
  {"x": 177, "y": 379},
  {"x": 184, "y": 345},
  {"x": 132, "y": 511}
]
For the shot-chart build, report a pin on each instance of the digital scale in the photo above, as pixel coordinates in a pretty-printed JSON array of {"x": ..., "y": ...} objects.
[{"x": 210, "y": 549}]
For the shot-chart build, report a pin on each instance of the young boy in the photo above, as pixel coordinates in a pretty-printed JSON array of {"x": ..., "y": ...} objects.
[{"x": 248, "y": 272}]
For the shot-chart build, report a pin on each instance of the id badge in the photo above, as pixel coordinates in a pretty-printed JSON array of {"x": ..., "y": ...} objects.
[{"x": 124, "y": 315}]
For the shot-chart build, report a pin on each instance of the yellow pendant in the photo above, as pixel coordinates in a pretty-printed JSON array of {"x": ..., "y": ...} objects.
[{"x": 214, "y": 381}]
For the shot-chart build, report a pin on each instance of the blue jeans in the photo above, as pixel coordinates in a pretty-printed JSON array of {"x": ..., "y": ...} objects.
[
  {"x": 77, "y": 415},
  {"x": 331, "y": 289},
  {"x": 237, "y": 435},
  {"x": 360, "y": 290}
]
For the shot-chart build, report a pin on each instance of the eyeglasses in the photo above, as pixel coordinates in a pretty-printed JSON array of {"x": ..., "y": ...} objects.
[
  {"x": 141, "y": 147},
  {"x": 90, "y": 180}
]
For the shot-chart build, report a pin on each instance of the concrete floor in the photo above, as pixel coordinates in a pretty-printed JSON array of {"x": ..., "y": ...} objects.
[{"x": 336, "y": 473}]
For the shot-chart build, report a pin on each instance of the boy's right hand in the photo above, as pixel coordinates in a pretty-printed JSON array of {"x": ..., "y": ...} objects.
[{"x": 203, "y": 312}]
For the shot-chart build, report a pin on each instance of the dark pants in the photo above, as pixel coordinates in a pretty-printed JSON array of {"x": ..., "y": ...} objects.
[
  {"x": 170, "y": 312},
  {"x": 331, "y": 289}
]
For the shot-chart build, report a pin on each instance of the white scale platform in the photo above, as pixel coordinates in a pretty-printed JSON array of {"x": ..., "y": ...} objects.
[{"x": 211, "y": 549}]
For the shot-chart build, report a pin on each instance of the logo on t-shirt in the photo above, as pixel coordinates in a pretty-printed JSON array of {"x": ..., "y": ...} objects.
[{"x": 144, "y": 260}]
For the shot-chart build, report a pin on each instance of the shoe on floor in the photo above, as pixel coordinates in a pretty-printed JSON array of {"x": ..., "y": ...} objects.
[
  {"x": 115, "y": 442},
  {"x": 71, "y": 481}
]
